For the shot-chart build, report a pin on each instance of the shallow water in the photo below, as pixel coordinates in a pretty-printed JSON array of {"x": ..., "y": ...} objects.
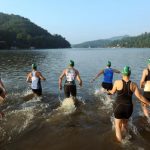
[{"x": 53, "y": 123}]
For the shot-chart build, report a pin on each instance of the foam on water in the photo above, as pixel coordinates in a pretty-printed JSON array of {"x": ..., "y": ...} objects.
[
  {"x": 105, "y": 99},
  {"x": 26, "y": 92},
  {"x": 126, "y": 144},
  {"x": 16, "y": 121},
  {"x": 132, "y": 127},
  {"x": 19, "y": 117},
  {"x": 140, "y": 113},
  {"x": 25, "y": 116},
  {"x": 148, "y": 120},
  {"x": 112, "y": 121},
  {"x": 32, "y": 103},
  {"x": 67, "y": 106}
]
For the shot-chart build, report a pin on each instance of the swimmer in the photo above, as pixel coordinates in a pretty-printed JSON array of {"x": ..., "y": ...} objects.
[{"x": 123, "y": 106}]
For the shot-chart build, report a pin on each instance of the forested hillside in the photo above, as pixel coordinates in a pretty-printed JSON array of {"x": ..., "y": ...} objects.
[
  {"x": 141, "y": 41},
  {"x": 19, "y": 32}
]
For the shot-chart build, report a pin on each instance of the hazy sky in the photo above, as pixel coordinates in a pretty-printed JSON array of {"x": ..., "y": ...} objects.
[{"x": 83, "y": 20}]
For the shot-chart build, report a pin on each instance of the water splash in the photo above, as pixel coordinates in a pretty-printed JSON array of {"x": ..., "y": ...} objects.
[
  {"x": 32, "y": 103},
  {"x": 19, "y": 117},
  {"x": 148, "y": 120},
  {"x": 26, "y": 92},
  {"x": 112, "y": 121},
  {"x": 15, "y": 122},
  {"x": 67, "y": 106},
  {"x": 24, "y": 115},
  {"x": 132, "y": 127},
  {"x": 126, "y": 144},
  {"x": 105, "y": 99},
  {"x": 140, "y": 113}
]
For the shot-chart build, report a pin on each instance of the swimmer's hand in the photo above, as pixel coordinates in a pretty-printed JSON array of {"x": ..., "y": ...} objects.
[
  {"x": 80, "y": 83},
  {"x": 60, "y": 87},
  {"x": 4, "y": 92},
  {"x": 92, "y": 80},
  {"x": 28, "y": 80},
  {"x": 109, "y": 93}
]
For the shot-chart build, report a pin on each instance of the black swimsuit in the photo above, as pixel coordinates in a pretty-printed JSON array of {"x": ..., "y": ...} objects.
[
  {"x": 146, "y": 94},
  {"x": 148, "y": 76},
  {"x": 123, "y": 106}
]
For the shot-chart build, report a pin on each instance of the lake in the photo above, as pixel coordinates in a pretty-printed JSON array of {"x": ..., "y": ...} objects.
[{"x": 48, "y": 123}]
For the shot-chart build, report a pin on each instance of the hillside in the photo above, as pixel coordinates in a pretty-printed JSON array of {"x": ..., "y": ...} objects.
[
  {"x": 98, "y": 43},
  {"x": 141, "y": 41},
  {"x": 19, "y": 32}
]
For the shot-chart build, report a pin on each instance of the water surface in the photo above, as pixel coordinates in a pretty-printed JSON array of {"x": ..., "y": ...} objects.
[{"x": 47, "y": 124}]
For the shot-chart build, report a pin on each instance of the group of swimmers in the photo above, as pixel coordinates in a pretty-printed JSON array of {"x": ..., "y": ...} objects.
[{"x": 123, "y": 88}]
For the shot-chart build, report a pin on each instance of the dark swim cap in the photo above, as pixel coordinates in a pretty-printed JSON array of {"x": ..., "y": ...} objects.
[
  {"x": 71, "y": 63},
  {"x": 34, "y": 66},
  {"x": 126, "y": 71},
  {"x": 109, "y": 63}
]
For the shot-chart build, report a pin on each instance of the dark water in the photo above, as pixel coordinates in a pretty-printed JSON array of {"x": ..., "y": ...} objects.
[{"x": 48, "y": 124}]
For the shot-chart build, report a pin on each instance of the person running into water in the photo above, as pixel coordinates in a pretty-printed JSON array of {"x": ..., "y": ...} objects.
[
  {"x": 35, "y": 78},
  {"x": 123, "y": 106},
  {"x": 71, "y": 75},
  {"x": 145, "y": 83},
  {"x": 2, "y": 95},
  {"x": 108, "y": 76}
]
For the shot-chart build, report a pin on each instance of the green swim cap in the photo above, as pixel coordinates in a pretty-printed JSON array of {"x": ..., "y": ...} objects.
[
  {"x": 126, "y": 71},
  {"x": 71, "y": 63},
  {"x": 109, "y": 63},
  {"x": 34, "y": 66},
  {"x": 148, "y": 61}
]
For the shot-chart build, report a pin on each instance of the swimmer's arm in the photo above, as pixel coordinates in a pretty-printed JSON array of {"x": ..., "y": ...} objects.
[
  {"x": 2, "y": 85},
  {"x": 60, "y": 79},
  {"x": 139, "y": 96},
  {"x": 101, "y": 72},
  {"x": 116, "y": 71},
  {"x": 114, "y": 89},
  {"x": 28, "y": 78},
  {"x": 41, "y": 76},
  {"x": 142, "y": 82},
  {"x": 79, "y": 79}
]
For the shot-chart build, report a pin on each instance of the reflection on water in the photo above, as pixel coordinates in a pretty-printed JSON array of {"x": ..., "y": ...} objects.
[{"x": 53, "y": 123}]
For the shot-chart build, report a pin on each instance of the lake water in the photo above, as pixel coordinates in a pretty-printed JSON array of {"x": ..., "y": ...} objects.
[{"x": 49, "y": 123}]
